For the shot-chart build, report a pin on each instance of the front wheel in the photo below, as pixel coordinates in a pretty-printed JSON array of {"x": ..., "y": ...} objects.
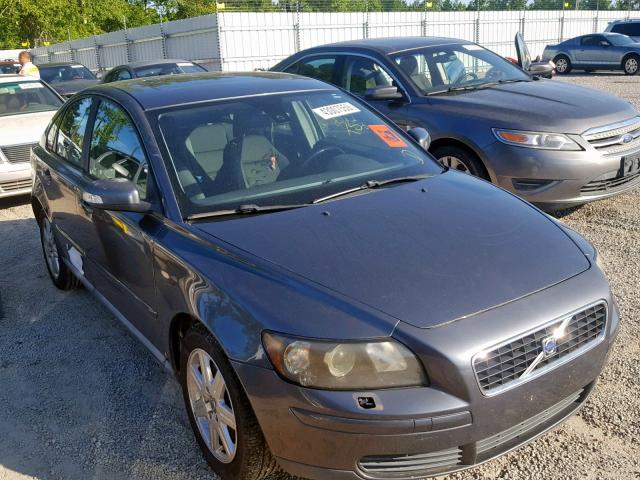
[
  {"x": 630, "y": 64},
  {"x": 460, "y": 159},
  {"x": 221, "y": 417},
  {"x": 563, "y": 64},
  {"x": 60, "y": 274}
]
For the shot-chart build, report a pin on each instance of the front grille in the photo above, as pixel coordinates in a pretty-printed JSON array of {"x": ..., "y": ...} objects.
[
  {"x": 616, "y": 139},
  {"x": 412, "y": 466},
  {"x": 518, "y": 433},
  {"x": 13, "y": 185},
  {"x": 521, "y": 358},
  {"x": 610, "y": 182},
  {"x": 18, "y": 153}
]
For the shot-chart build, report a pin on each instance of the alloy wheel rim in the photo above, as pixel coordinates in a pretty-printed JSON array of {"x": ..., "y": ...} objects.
[
  {"x": 50, "y": 248},
  {"x": 454, "y": 163},
  {"x": 631, "y": 65},
  {"x": 211, "y": 406},
  {"x": 561, "y": 65}
]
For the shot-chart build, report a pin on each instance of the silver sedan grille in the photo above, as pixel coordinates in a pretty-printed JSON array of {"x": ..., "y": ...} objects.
[
  {"x": 18, "y": 153},
  {"x": 616, "y": 139},
  {"x": 520, "y": 359}
]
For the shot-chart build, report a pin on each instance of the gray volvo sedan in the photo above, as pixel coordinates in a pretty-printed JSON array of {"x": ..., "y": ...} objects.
[
  {"x": 552, "y": 143},
  {"x": 331, "y": 299}
]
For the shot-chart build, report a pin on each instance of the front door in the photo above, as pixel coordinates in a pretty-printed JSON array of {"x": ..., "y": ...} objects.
[{"x": 119, "y": 245}]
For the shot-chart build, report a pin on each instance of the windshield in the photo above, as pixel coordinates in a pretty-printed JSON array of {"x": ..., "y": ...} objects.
[
  {"x": 168, "y": 69},
  {"x": 282, "y": 149},
  {"x": 9, "y": 68},
  {"x": 437, "y": 69},
  {"x": 66, "y": 73},
  {"x": 619, "y": 40},
  {"x": 26, "y": 97}
]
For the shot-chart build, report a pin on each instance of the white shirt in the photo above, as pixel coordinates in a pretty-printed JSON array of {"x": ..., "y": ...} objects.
[{"x": 29, "y": 70}]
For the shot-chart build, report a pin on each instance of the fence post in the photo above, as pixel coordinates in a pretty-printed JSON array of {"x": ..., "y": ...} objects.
[
  {"x": 561, "y": 32},
  {"x": 476, "y": 26},
  {"x": 163, "y": 40},
  {"x": 522, "y": 24},
  {"x": 365, "y": 24},
  {"x": 126, "y": 44},
  {"x": 96, "y": 49},
  {"x": 219, "y": 38},
  {"x": 423, "y": 23},
  {"x": 296, "y": 29},
  {"x": 72, "y": 54}
]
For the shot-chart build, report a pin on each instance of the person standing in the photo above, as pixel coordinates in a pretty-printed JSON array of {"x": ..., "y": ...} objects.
[{"x": 27, "y": 68}]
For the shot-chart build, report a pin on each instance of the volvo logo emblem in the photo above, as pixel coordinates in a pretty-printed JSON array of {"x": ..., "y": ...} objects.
[
  {"x": 549, "y": 346},
  {"x": 626, "y": 138}
]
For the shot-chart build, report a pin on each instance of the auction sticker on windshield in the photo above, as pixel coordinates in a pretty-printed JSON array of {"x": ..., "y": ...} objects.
[
  {"x": 336, "y": 110},
  {"x": 388, "y": 136},
  {"x": 30, "y": 85}
]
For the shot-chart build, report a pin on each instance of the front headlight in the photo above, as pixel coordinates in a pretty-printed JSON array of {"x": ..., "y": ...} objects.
[
  {"x": 542, "y": 140},
  {"x": 344, "y": 366}
]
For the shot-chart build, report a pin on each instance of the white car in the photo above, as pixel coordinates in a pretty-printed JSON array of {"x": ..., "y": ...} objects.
[{"x": 26, "y": 107}]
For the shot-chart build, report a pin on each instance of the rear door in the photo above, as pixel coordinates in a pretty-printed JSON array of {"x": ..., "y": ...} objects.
[{"x": 61, "y": 167}]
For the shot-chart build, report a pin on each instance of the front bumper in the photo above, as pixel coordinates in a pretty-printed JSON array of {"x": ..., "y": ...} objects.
[
  {"x": 447, "y": 426},
  {"x": 566, "y": 178},
  {"x": 15, "y": 179}
]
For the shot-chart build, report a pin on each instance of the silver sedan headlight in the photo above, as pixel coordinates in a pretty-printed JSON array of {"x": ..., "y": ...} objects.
[
  {"x": 541, "y": 140},
  {"x": 344, "y": 366}
]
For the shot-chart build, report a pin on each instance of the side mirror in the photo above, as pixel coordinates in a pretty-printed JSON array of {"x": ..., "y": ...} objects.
[
  {"x": 421, "y": 136},
  {"x": 541, "y": 69},
  {"x": 114, "y": 194},
  {"x": 383, "y": 93}
]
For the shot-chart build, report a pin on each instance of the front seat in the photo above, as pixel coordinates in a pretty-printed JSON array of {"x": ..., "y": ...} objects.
[
  {"x": 409, "y": 65},
  {"x": 250, "y": 159}
]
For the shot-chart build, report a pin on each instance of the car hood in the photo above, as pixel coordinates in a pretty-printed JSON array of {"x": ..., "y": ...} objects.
[
  {"x": 425, "y": 258},
  {"x": 25, "y": 128},
  {"x": 545, "y": 105},
  {"x": 72, "y": 86}
]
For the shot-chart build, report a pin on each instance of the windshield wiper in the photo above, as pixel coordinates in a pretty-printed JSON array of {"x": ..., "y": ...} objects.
[
  {"x": 370, "y": 185},
  {"x": 249, "y": 209},
  {"x": 478, "y": 86}
]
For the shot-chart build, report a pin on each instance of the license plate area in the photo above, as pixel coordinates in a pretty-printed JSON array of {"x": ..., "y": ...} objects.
[{"x": 630, "y": 165}]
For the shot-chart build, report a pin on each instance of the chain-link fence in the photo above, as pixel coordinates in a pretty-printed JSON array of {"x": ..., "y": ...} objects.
[{"x": 233, "y": 39}]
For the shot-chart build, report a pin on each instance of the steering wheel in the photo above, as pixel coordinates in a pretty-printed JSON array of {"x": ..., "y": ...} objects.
[
  {"x": 323, "y": 150},
  {"x": 462, "y": 78},
  {"x": 494, "y": 74}
]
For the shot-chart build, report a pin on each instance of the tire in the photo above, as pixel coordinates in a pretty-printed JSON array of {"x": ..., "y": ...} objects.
[
  {"x": 60, "y": 274},
  {"x": 461, "y": 159},
  {"x": 252, "y": 459},
  {"x": 631, "y": 64},
  {"x": 563, "y": 64}
]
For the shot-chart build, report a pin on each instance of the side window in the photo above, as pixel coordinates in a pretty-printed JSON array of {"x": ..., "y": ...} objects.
[
  {"x": 51, "y": 135},
  {"x": 322, "y": 68},
  {"x": 631, "y": 29},
  {"x": 122, "y": 75},
  {"x": 591, "y": 41},
  {"x": 116, "y": 150},
  {"x": 71, "y": 128},
  {"x": 362, "y": 73}
]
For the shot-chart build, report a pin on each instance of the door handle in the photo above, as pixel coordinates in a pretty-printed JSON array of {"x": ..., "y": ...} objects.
[
  {"x": 46, "y": 173},
  {"x": 88, "y": 209}
]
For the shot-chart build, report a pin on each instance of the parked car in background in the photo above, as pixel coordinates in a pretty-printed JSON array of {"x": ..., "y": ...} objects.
[
  {"x": 67, "y": 78},
  {"x": 151, "y": 69},
  {"x": 628, "y": 27},
  {"x": 551, "y": 143},
  {"x": 596, "y": 51},
  {"x": 330, "y": 297},
  {"x": 26, "y": 107},
  {"x": 9, "y": 67}
]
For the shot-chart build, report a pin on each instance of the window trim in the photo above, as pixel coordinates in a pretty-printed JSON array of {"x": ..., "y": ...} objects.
[{"x": 89, "y": 128}]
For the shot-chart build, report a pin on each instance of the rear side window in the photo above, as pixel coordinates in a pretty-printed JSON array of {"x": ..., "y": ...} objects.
[
  {"x": 362, "y": 73},
  {"x": 71, "y": 130},
  {"x": 116, "y": 150},
  {"x": 591, "y": 41},
  {"x": 631, "y": 29},
  {"x": 322, "y": 68},
  {"x": 122, "y": 75}
]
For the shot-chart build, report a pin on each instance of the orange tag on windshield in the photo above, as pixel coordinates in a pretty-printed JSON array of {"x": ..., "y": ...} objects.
[{"x": 388, "y": 136}]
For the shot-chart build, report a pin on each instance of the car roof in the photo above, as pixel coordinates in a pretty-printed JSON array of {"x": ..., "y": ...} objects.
[
  {"x": 10, "y": 78},
  {"x": 58, "y": 64},
  {"x": 165, "y": 91},
  {"x": 392, "y": 44},
  {"x": 150, "y": 63}
]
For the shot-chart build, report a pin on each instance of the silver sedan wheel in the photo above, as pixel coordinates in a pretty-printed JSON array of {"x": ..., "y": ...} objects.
[
  {"x": 211, "y": 405},
  {"x": 454, "y": 163},
  {"x": 631, "y": 65},
  {"x": 50, "y": 248},
  {"x": 561, "y": 65}
]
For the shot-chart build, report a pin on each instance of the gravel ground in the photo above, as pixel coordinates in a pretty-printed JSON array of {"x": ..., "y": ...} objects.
[{"x": 81, "y": 399}]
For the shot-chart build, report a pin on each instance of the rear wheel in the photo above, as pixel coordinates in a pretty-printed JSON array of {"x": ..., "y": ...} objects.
[
  {"x": 60, "y": 274},
  {"x": 221, "y": 417},
  {"x": 630, "y": 64},
  {"x": 460, "y": 159},
  {"x": 563, "y": 64}
]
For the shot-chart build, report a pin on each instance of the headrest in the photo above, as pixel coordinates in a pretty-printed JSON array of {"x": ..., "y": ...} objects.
[
  {"x": 251, "y": 122},
  {"x": 409, "y": 65}
]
